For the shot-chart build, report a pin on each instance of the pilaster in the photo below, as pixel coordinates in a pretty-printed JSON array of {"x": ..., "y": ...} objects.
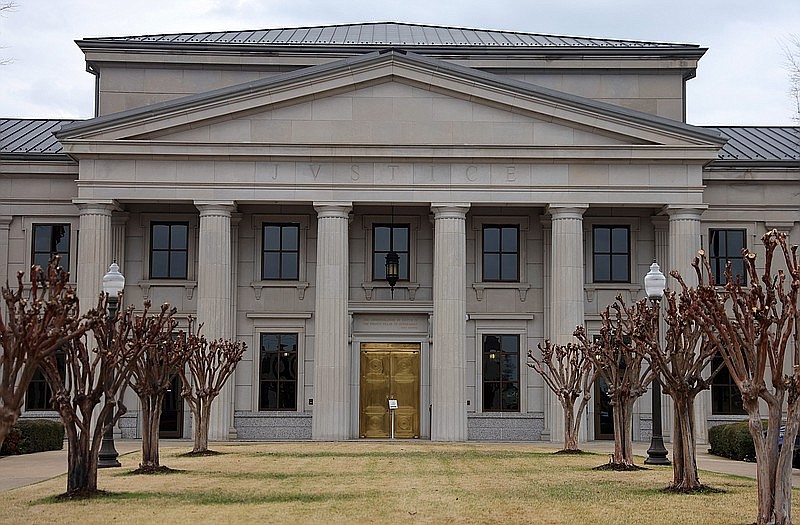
[
  {"x": 5, "y": 227},
  {"x": 214, "y": 299},
  {"x": 448, "y": 354},
  {"x": 331, "y": 419},
  {"x": 119, "y": 223}
]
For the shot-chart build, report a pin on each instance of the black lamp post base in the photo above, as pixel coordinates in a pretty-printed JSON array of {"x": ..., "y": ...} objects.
[{"x": 657, "y": 453}]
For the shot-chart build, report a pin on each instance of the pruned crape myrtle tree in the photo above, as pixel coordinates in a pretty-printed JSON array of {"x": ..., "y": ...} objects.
[
  {"x": 208, "y": 367},
  {"x": 91, "y": 381},
  {"x": 683, "y": 365},
  {"x": 567, "y": 371},
  {"x": 32, "y": 327},
  {"x": 618, "y": 358},
  {"x": 152, "y": 373},
  {"x": 755, "y": 329}
]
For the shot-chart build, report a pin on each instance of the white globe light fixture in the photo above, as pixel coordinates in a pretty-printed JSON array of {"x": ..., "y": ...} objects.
[
  {"x": 113, "y": 281},
  {"x": 655, "y": 282}
]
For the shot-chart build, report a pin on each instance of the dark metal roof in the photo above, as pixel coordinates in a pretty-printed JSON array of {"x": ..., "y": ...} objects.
[
  {"x": 30, "y": 137},
  {"x": 383, "y": 34},
  {"x": 759, "y": 144}
]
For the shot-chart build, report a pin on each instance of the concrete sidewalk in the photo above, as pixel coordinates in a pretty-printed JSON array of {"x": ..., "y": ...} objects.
[{"x": 18, "y": 471}]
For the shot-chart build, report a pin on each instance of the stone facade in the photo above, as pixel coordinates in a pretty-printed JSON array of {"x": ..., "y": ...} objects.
[{"x": 551, "y": 145}]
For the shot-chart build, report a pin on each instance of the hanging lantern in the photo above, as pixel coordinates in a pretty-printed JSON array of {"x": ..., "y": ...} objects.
[{"x": 392, "y": 269}]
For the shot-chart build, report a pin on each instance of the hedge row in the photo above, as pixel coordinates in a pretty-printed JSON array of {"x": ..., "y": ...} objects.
[
  {"x": 33, "y": 435},
  {"x": 732, "y": 441}
]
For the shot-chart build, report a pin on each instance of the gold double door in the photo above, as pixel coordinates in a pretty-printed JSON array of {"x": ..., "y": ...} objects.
[{"x": 389, "y": 371}]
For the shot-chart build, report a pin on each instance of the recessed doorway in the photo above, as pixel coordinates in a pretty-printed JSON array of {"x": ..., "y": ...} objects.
[
  {"x": 171, "y": 424},
  {"x": 389, "y": 371}
]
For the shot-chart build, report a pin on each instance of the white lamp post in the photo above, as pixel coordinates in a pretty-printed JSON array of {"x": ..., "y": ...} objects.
[
  {"x": 113, "y": 285},
  {"x": 654, "y": 284}
]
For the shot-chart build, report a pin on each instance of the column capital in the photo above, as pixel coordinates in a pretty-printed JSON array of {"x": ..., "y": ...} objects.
[
  {"x": 96, "y": 207},
  {"x": 566, "y": 211},
  {"x": 450, "y": 210},
  {"x": 685, "y": 211},
  {"x": 215, "y": 208},
  {"x": 333, "y": 210},
  {"x": 5, "y": 221}
]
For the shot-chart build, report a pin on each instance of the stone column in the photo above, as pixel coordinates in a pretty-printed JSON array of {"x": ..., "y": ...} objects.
[
  {"x": 661, "y": 231},
  {"x": 94, "y": 249},
  {"x": 566, "y": 288},
  {"x": 331, "y": 418},
  {"x": 214, "y": 299},
  {"x": 448, "y": 354},
  {"x": 5, "y": 226},
  {"x": 684, "y": 241}
]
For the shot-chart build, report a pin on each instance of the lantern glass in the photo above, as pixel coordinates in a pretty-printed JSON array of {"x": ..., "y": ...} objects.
[
  {"x": 655, "y": 282},
  {"x": 113, "y": 281}
]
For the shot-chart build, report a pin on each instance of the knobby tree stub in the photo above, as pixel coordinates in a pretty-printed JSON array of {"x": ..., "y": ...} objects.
[
  {"x": 619, "y": 360},
  {"x": 683, "y": 365},
  {"x": 34, "y": 325},
  {"x": 209, "y": 366},
  {"x": 163, "y": 355},
  {"x": 569, "y": 374},
  {"x": 754, "y": 327},
  {"x": 92, "y": 380}
]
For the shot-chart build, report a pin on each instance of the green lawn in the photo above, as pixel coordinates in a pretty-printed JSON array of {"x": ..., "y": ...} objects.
[{"x": 382, "y": 482}]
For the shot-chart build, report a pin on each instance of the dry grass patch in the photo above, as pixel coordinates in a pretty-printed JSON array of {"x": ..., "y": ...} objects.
[{"x": 360, "y": 482}]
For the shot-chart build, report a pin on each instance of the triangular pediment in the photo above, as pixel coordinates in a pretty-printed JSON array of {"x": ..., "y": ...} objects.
[{"x": 387, "y": 99}]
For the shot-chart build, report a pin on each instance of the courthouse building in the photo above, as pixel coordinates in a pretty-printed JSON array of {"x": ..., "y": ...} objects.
[{"x": 259, "y": 180}]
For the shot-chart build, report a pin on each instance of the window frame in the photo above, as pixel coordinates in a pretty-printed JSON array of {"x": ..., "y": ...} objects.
[
  {"x": 522, "y": 223},
  {"x": 278, "y": 381},
  {"x": 611, "y": 253},
  {"x": 73, "y": 222},
  {"x": 483, "y": 381},
  {"x": 157, "y": 222},
  {"x": 51, "y": 252},
  {"x": 392, "y": 227},
  {"x": 733, "y": 391},
  {"x": 718, "y": 262},
  {"x": 500, "y": 252},
  {"x": 412, "y": 221},
  {"x": 280, "y": 251}
]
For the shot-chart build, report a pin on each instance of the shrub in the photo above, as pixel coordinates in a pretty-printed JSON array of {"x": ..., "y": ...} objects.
[
  {"x": 732, "y": 441},
  {"x": 33, "y": 435}
]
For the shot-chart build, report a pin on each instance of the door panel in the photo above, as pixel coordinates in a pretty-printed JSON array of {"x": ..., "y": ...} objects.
[{"x": 389, "y": 371}]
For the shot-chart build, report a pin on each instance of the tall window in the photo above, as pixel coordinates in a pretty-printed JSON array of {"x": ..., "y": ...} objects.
[
  {"x": 611, "y": 252},
  {"x": 278, "y": 373},
  {"x": 501, "y": 373},
  {"x": 727, "y": 245},
  {"x": 50, "y": 240},
  {"x": 725, "y": 395},
  {"x": 501, "y": 253},
  {"x": 280, "y": 258},
  {"x": 39, "y": 395},
  {"x": 385, "y": 238},
  {"x": 169, "y": 250}
]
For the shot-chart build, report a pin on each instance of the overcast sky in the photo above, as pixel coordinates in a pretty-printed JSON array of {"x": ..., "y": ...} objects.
[{"x": 742, "y": 79}]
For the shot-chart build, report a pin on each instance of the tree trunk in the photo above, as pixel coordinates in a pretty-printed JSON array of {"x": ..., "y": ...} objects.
[
  {"x": 783, "y": 474},
  {"x": 684, "y": 454},
  {"x": 151, "y": 417},
  {"x": 7, "y": 419},
  {"x": 623, "y": 435},
  {"x": 81, "y": 470},
  {"x": 201, "y": 417},
  {"x": 766, "y": 457},
  {"x": 570, "y": 426}
]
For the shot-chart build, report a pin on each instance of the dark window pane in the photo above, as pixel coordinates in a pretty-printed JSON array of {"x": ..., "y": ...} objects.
[
  {"x": 272, "y": 238},
  {"x": 491, "y": 396},
  {"x": 735, "y": 243},
  {"x": 269, "y": 366},
  {"x": 61, "y": 238},
  {"x": 619, "y": 240},
  {"x": 272, "y": 265},
  {"x": 288, "y": 366},
  {"x": 382, "y": 239},
  {"x": 509, "y": 267},
  {"x": 290, "y": 238},
  {"x": 286, "y": 395},
  {"x": 41, "y": 238},
  {"x": 159, "y": 262},
  {"x": 491, "y": 267},
  {"x": 65, "y": 261},
  {"x": 179, "y": 237},
  {"x": 379, "y": 266},
  {"x": 402, "y": 269},
  {"x": 269, "y": 342},
  {"x": 177, "y": 265},
  {"x": 160, "y": 237},
  {"x": 509, "y": 240},
  {"x": 289, "y": 342},
  {"x": 510, "y": 368},
  {"x": 42, "y": 259},
  {"x": 510, "y": 396},
  {"x": 491, "y": 367},
  {"x": 619, "y": 267},
  {"x": 602, "y": 240},
  {"x": 400, "y": 241},
  {"x": 491, "y": 239},
  {"x": 602, "y": 267},
  {"x": 289, "y": 265},
  {"x": 510, "y": 344},
  {"x": 269, "y": 395}
]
